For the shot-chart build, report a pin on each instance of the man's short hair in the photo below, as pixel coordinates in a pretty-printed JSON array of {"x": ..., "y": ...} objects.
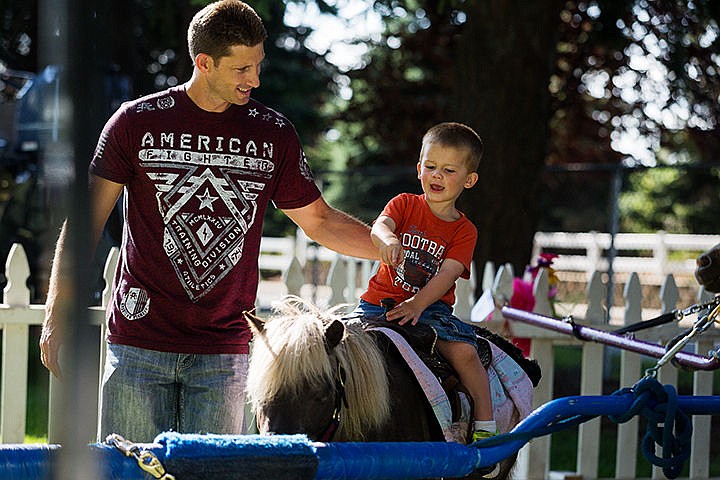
[
  {"x": 222, "y": 25},
  {"x": 457, "y": 135}
]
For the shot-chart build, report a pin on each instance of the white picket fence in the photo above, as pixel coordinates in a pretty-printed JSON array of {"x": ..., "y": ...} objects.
[
  {"x": 651, "y": 255},
  {"x": 345, "y": 279}
]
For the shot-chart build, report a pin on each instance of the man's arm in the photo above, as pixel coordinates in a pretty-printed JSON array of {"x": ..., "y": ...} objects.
[
  {"x": 103, "y": 195},
  {"x": 334, "y": 229}
]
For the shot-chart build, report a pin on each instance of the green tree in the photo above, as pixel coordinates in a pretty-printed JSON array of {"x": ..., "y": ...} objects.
[
  {"x": 146, "y": 41},
  {"x": 545, "y": 84},
  {"x": 671, "y": 199}
]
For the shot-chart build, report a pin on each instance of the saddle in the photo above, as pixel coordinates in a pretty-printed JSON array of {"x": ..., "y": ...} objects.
[{"x": 422, "y": 338}]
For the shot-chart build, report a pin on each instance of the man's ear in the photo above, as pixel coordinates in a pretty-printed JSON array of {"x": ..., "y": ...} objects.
[
  {"x": 203, "y": 62},
  {"x": 471, "y": 179}
]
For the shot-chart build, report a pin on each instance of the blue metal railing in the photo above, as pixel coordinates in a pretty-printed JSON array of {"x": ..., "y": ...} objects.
[{"x": 293, "y": 456}]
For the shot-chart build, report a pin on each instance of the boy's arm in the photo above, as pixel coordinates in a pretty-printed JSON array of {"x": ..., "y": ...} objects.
[
  {"x": 383, "y": 236},
  {"x": 411, "y": 309}
]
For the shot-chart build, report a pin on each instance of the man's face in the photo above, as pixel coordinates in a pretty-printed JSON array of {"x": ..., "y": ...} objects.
[{"x": 233, "y": 77}]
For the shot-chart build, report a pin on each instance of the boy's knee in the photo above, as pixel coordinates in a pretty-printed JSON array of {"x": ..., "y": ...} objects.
[{"x": 461, "y": 351}]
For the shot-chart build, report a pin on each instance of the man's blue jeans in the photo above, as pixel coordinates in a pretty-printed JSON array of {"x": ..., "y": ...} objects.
[{"x": 145, "y": 392}]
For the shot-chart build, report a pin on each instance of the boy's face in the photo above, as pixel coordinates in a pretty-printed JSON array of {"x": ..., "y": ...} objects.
[{"x": 443, "y": 172}]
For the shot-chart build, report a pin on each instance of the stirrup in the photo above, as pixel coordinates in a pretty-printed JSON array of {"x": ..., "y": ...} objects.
[{"x": 491, "y": 471}]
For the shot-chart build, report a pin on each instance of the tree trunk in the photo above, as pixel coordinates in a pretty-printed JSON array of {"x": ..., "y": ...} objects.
[{"x": 504, "y": 61}]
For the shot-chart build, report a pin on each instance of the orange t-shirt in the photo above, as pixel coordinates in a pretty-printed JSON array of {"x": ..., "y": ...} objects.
[{"x": 427, "y": 241}]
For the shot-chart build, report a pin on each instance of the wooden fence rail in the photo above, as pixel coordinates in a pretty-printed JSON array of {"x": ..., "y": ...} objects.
[
  {"x": 653, "y": 255},
  {"x": 344, "y": 279}
]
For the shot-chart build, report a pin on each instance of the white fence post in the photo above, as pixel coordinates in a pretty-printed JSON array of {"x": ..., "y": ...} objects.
[
  {"x": 541, "y": 289},
  {"x": 667, "y": 375},
  {"x": 591, "y": 384},
  {"x": 15, "y": 350},
  {"x": 16, "y": 314},
  {"x": 502, "y": 290},
  {"x": 294, "y": 278},
  {"x": 109, "y": 276},
  {"x": 338, "y": 281},
  {"x": 465, "y": 295},
  {"x": 534, "y": 461},
  {"x": 702, "y": 385},
  {"x": 626, "y": 450}
]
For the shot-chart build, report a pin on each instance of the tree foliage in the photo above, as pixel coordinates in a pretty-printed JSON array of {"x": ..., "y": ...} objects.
[
  {"x": 645, "y": 72},
  {"x": 671, "y": 199},
  {"x": 545, "y": 84},
  {"x": 146, "y": 41}
]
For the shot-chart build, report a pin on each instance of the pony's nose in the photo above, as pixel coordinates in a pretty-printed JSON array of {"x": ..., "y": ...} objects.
[
  {"x": 703, "y": 260},
  {"x": 707, "y": 269}
]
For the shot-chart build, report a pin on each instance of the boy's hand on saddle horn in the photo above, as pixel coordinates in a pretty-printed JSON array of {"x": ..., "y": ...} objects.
[
  {"x": 707, "y": 270},
  {"x": 405, "y": 312}
]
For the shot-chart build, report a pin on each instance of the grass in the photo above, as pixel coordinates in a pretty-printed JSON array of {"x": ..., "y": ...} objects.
[
  {"x": 36, "y": 424},
  {"x": 35, "y": 439}
]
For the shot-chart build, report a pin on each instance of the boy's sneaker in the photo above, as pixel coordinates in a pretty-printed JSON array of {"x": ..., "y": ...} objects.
[
  {"x": 481, "y": 435},
  {"x": 490, "y": 471}
]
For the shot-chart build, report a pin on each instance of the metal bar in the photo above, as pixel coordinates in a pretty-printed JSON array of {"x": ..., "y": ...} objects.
[{"x": 690, "y": 360}]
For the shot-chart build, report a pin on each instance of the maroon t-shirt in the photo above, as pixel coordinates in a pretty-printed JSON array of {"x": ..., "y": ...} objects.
[{"x": 197, "y": 185}]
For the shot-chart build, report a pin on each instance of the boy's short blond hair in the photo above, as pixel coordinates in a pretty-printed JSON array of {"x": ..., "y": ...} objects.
[{"x": 457, "y": 135}]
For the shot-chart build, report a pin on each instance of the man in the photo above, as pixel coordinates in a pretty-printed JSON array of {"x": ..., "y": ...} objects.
[{"x": 199, "y": 164}]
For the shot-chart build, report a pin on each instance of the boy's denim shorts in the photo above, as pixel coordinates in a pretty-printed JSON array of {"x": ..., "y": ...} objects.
[{"x": 438, "y": 315}]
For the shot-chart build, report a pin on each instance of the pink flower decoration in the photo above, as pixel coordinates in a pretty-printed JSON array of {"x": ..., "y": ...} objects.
[{"x": 523, "y": 298}]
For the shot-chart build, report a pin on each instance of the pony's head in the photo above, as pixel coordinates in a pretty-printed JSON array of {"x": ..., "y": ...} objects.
[{"x": 303, "y": 361}]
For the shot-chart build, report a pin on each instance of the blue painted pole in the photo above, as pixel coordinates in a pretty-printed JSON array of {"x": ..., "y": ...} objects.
[
  {"x": 371, "y": 461},
  {"x": 293, "y": 456}
]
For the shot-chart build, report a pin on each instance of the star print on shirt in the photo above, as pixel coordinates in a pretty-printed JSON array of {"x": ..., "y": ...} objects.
[
  {"x": 253, "y": 112},
  {"x": 206, "y": 200}
]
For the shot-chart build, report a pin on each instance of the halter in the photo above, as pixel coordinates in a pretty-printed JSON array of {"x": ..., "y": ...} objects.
[{"x": 328, "y": 432}]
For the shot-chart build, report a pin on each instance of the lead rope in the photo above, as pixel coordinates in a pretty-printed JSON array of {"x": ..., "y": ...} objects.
[
  {"x": 675, "y": 315},
  {"x": 700, "y": 326},
  {"x": 146, "y": 460},
  {"x": 667, "y": 426}
]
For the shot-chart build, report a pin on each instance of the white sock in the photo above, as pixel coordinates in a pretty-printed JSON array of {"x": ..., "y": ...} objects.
[{"x": 485, "y": 425}]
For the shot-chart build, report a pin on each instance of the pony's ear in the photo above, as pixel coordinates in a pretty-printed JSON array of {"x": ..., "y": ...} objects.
[
  {"x": 257, "y": 324},
  {"x": 334, "y": 332}
]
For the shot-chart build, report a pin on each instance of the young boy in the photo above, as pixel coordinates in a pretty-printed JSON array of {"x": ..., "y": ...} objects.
[{"x": 425, "y": 244}]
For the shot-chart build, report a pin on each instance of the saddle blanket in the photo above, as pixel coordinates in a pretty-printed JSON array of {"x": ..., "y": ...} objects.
[{"x": 510, "y": 388}]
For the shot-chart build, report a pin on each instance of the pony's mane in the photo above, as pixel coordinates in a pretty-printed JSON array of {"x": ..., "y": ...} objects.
[{"x": 291, "y": 352}]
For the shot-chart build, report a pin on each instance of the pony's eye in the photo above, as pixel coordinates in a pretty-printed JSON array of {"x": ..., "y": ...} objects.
[{"x": 321, "y": 397}]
